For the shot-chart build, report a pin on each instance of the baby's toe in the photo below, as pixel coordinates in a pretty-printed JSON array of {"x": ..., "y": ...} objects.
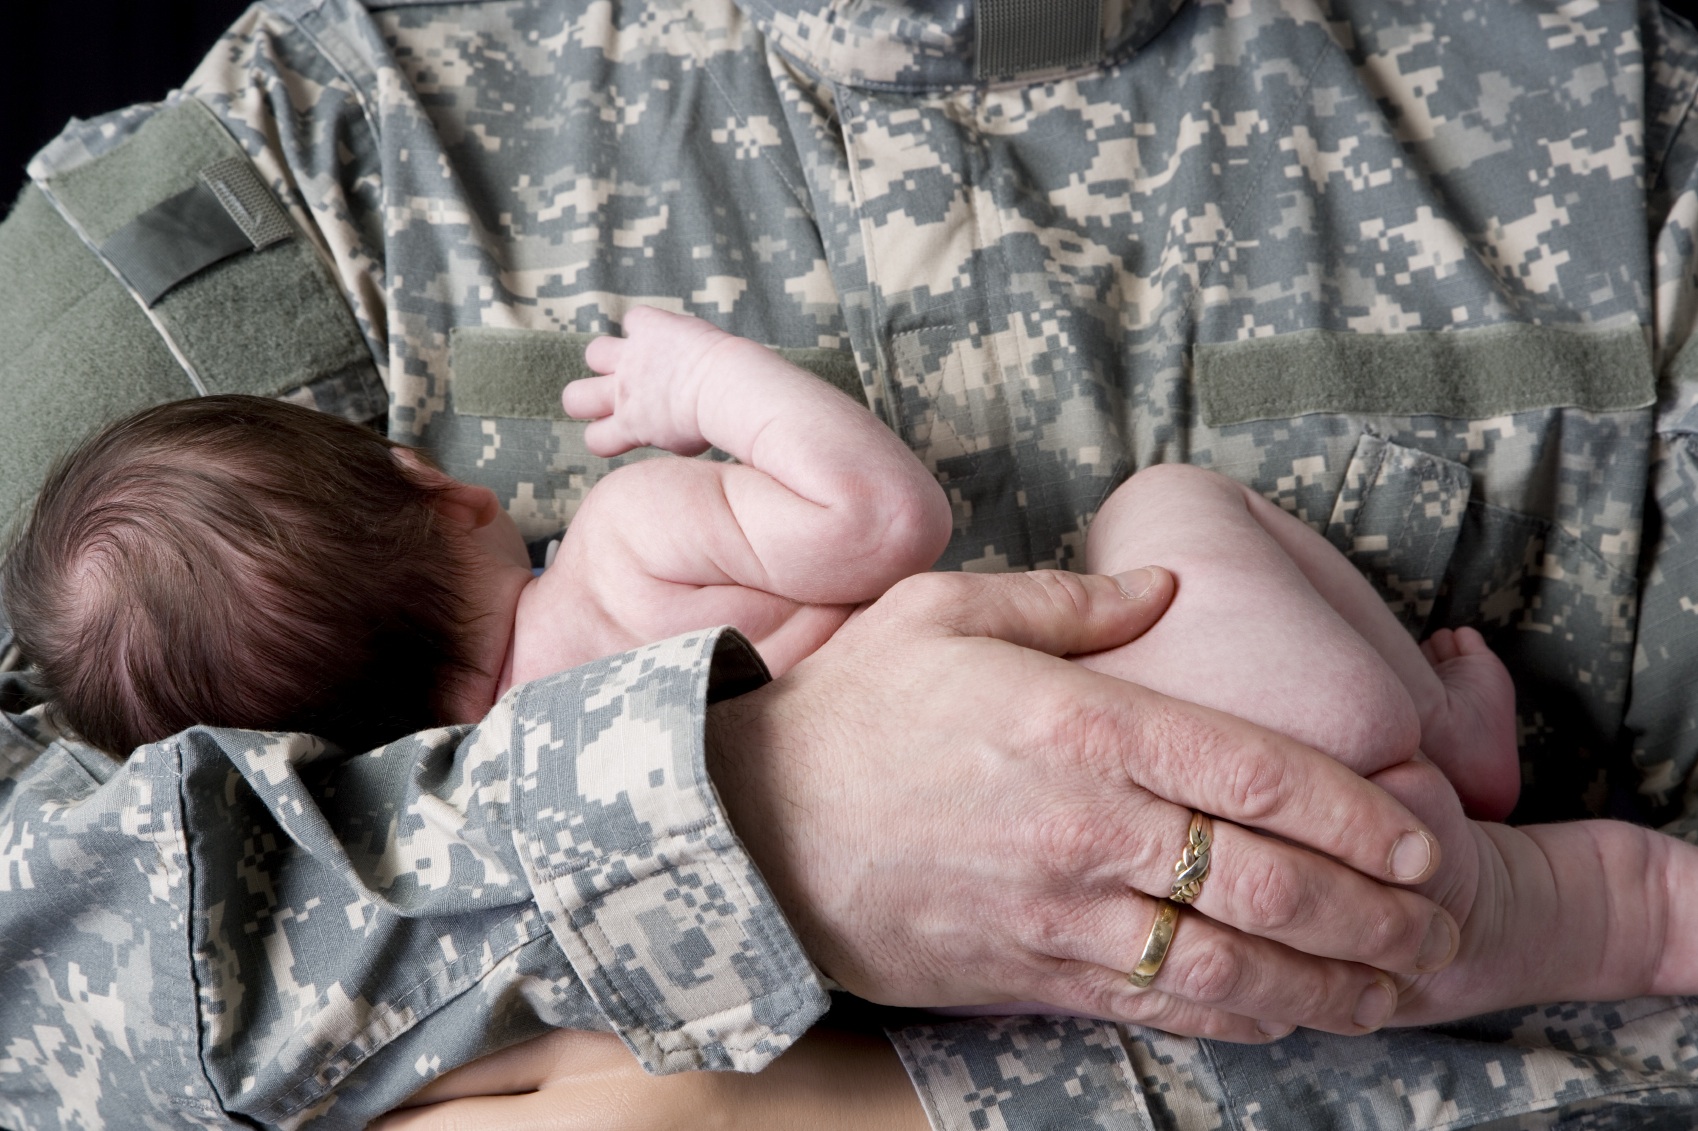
[
  {"x": 1469, "y": 642},
  {"x": 1440, "y": 646}
]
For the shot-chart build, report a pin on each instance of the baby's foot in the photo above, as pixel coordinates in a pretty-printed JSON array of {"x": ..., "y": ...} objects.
[
  {"x": 1471, "y": 734},
  {"x": 649, "y": 388}
]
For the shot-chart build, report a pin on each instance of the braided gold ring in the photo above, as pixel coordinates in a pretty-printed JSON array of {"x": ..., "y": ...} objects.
[{"x": 1193, "y": 866}]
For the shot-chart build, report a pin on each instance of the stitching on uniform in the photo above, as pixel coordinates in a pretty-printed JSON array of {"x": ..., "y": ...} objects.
[
  {"x": 931, "y": 384},
  {"x": 649, "y": 845},
  {"x": 1229, "y": 1108},
  {"x": 802, "y": 200},
  {"x": 1656, "y": 173},
  {"x": 298, "y": 22},
  {"x": 1370, "y": 481},
  {"x": 287, "y": 1105},
  {"x": 634, "y": 994},
  {"x": 159, "y": 328},
  {"x": 190, "y": 887},
  {"x": 716, "y": 871},
  {"x": 885, "y": 357}
]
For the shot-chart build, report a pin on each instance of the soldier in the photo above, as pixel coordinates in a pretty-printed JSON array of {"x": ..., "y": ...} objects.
[{"x": 1420, "y": 276}]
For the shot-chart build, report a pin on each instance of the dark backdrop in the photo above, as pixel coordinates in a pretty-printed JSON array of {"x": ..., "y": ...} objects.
[{"x": 65, "y": 58}]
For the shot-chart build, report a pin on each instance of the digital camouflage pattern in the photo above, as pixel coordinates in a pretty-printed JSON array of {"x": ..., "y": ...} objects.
[
  {"x": 1421, "y": 274},
  {"x": 337, "y": 930}
]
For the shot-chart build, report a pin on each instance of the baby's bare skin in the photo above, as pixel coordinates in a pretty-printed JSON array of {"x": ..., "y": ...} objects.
[
  {"x": 1273, "y": 625},
  {"x": 826, "y": 509}
]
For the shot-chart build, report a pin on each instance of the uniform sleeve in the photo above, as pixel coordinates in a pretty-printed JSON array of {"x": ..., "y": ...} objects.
[{"x": 235, "y": 924}]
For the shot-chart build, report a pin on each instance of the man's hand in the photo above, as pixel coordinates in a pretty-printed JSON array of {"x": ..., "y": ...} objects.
[{"x": 950, "y": 814}]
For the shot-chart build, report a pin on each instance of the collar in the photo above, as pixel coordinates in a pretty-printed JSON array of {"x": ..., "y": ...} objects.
[{"x": 917, "y": 45}]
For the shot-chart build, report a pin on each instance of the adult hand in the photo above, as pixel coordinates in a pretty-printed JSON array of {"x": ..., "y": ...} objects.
[
  {"x": 951, "y": 814},
  {"x": 570, "y": 1080}
]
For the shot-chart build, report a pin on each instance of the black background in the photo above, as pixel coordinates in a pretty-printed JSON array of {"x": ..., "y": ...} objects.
[{"x": 65, "y": 58}]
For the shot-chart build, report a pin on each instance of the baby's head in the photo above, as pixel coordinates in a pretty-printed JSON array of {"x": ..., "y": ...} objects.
[{"x": 238, "y": 561}]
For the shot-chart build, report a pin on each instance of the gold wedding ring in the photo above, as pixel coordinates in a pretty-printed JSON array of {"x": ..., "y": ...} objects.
[
  {"x": 1193, "y": 866},
  {"x": 1155, "y": 947}
]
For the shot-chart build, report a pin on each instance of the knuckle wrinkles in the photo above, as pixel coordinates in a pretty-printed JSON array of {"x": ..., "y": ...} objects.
[
  {"x": 1388, "y": 930},
  {"x": 1065, "y": 844},
  {"x": 1063, "y": 588},
  {"x": 1212, "y": 977},
  {"x": 1274, "y": 897},
  {"x": 1309, "y": 1000},
  {"x": 1259, "y": 780}
]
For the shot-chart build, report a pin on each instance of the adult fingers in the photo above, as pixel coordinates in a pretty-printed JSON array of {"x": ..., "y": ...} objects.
[
  {"x": 1271, "y": 889},
  {"x": 1275, "y": 890},
  {"x": 564, "y": 1080},
  {"x": 527, "y": 1066},
  {"x": 1064, "y": 614},
  {"x": 1238, "y": 986},
  {"x": 536, "y": 1111},
  {"x": 1192, "y": 756},
  {"x": 1226, "y": 767},
  {"x": 1126, "y": 829}
]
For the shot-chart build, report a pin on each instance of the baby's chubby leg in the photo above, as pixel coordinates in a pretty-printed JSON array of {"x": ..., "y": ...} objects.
[{"x": 1248, "y": 633}]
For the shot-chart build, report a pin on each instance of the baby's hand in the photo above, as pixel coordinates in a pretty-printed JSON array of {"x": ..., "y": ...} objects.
[{"x": 651, "y": 384}]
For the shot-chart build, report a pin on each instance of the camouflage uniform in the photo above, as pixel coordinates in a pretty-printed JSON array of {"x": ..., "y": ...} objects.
[{"x": 1422, "y": 274}]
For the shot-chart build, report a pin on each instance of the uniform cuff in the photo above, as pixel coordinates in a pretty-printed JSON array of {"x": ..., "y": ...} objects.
[{"x": 635, "y": 868}]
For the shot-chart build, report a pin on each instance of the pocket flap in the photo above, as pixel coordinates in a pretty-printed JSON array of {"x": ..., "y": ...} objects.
[{"x": 1397, "y": 518}]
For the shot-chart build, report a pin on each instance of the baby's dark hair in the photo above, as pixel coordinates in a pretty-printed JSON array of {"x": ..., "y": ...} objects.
[{"x": 238, "y": 561}]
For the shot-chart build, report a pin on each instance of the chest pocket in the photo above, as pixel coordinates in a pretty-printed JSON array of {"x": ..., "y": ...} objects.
[
  {"x": 1397, "y": 518},
  {"x": 1492, "y": 478}
]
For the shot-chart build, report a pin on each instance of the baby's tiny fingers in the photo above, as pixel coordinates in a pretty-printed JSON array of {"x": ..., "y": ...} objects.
[
  {"x": 588, "y": 398},
  {"x": 608, "y": 438},
  {"x": 602, "y": 354}
]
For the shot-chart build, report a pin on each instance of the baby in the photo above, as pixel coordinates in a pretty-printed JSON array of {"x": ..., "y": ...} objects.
[{"x": 237, "y": 561}]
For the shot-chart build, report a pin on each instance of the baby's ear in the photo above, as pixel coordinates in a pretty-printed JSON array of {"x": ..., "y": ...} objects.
[{"x": 460, "y": 503}]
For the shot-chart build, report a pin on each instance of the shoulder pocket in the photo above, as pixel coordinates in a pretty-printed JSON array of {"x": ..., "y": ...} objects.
[{"x": 149, "y": 262}]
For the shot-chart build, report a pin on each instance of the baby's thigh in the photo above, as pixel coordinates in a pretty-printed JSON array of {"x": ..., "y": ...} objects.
[{"x": 1247, "y": 633}]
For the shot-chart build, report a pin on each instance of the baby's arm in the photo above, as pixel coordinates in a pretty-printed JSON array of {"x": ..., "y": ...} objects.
[{"x": 827, "y": 505}]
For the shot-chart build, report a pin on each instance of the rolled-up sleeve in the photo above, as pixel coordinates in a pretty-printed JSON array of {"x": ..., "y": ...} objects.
[{"x": 239, "y": 924}]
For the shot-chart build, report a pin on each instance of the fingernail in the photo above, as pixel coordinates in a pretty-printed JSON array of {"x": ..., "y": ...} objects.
[
  {"x": 1135, "y": 584},
  {"x": 1436, "y": 947},
  {"x": 1411, "y": 856},
  {"x": 1274, "y": 1030},
  {"x": 1374, "y": 1007}
]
